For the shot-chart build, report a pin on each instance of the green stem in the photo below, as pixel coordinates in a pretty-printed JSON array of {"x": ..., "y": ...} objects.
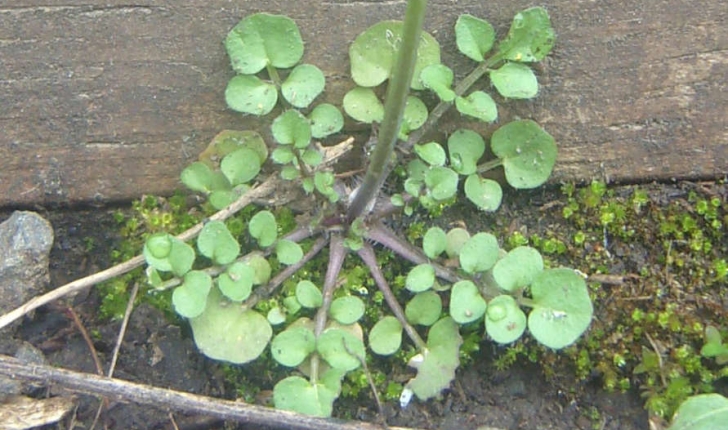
[
  {"x": 490, "y": 165},
  {"x": 273, "y": 75},
  {"x": 442, "y": 107},
  {"x": 404, "y": 66}
]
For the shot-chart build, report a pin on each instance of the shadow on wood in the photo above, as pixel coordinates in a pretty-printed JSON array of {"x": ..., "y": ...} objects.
[{"x": 104, "y": 101}]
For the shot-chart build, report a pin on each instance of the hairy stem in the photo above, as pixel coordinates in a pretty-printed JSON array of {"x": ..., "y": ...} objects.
[
  {"x": 397, "y": 90},
  {"x": 381, "y": 234},
  {"x": 337, "y": 253},
  {"x": 366, "y": 253}
]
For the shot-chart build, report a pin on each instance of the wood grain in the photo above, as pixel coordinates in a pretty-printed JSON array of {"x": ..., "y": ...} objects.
[{"x": 106, "y": 100}]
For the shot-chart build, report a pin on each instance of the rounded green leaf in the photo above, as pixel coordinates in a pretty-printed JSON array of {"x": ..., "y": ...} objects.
[
  {"x": 527, "y": 151},
  {"x": 189, "y": 299},
  {"x": 341, "y": 349},
  {"x": 441, "y": 359},
  {"x": 291, "y": 346},
  {"x": 465, "y": 148},
  {"x": 505, "y": 322},
  {"x": 515, "y": 81},
  {"x": 701, "y": 412},
  {"x": 312, "y": 157},
  {"x": 178, "y": 261},
  {"x": 486, "y": 194},
  {"x": 261, "y": 267},
  {"x": 216, "y": 243},
  {"x": 474, "y": 36},
  {"x": 438, "y": 78},
  {"x": 385, "y": 337},
  {"x": 248, "y": 94},
  {"x": 466, "y": 303},
  {"x": 283, "y": 155},
  {"x": 159, "y": 245},
  {"x": 456, "y": 238},
  {"x": 479, "y": 105},
  {"x": 325, "y": 120},
  {"x": 424, "y": 308},
  {"x": 479, "y": 253},
  {"x": 441, "y": 182},
  {"x": 363, "y": 105},
  {"x": 420, "y": 278},
  {"x": 292, "y": 128},
  {"x": 415, "y": 114},
  {"x": 308, "y": 294},
  {"x": 228, "y": 141},
  {"x": 303, "y": 85},
  {"x": 518, "y": 268},
  {"x": 276, "y": 316},
  {"x": 372, "y": 54},
  {"x": 434, "y": 242},
  {"x": 263, "y": 228},
  {"x": 240, "y": 166},
  {"x": 261, "y": 39},
  {"x": 288, "y": 252},
  {"x": 299, "y": 395},
  {"x": 229, "y": 333},
  {"x": 562, "y": 308},
  {"x": 198, "y": 177},
  {"x": 237, "y": 281},
  {"x": 530, "y": 37},
  {"x": 432, "y": 153},
  {"x": 347, "y": 310},
  {"x": 290, "y": 173}
]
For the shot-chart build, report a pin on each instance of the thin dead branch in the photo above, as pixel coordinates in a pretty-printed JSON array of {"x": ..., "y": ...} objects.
[{"x": 175, "y": 400}]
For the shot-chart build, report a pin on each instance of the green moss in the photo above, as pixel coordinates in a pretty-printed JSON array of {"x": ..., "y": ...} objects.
[{"x": 665, "y": 268}]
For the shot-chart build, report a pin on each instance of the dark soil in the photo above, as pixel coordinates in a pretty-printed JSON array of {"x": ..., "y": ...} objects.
[{"x": 159, "y": 352}]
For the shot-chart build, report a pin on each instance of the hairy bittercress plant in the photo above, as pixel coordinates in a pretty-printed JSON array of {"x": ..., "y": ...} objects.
[{"x": 458, "y": 278}]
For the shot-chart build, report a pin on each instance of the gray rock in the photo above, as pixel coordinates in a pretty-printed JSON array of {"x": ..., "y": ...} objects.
[{"x": 25, "y": 243}]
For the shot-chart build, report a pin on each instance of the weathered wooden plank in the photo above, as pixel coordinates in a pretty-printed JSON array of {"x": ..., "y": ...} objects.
[{"x": 105, "y": 100}]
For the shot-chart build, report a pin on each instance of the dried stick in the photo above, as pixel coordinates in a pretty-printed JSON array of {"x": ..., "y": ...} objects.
[
  {"x": 176, "y": 400},
  {"x": 264, "y": 189}
]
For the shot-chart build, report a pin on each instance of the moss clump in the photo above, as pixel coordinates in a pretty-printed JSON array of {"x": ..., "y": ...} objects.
[{"x": 656, "y": 258}]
